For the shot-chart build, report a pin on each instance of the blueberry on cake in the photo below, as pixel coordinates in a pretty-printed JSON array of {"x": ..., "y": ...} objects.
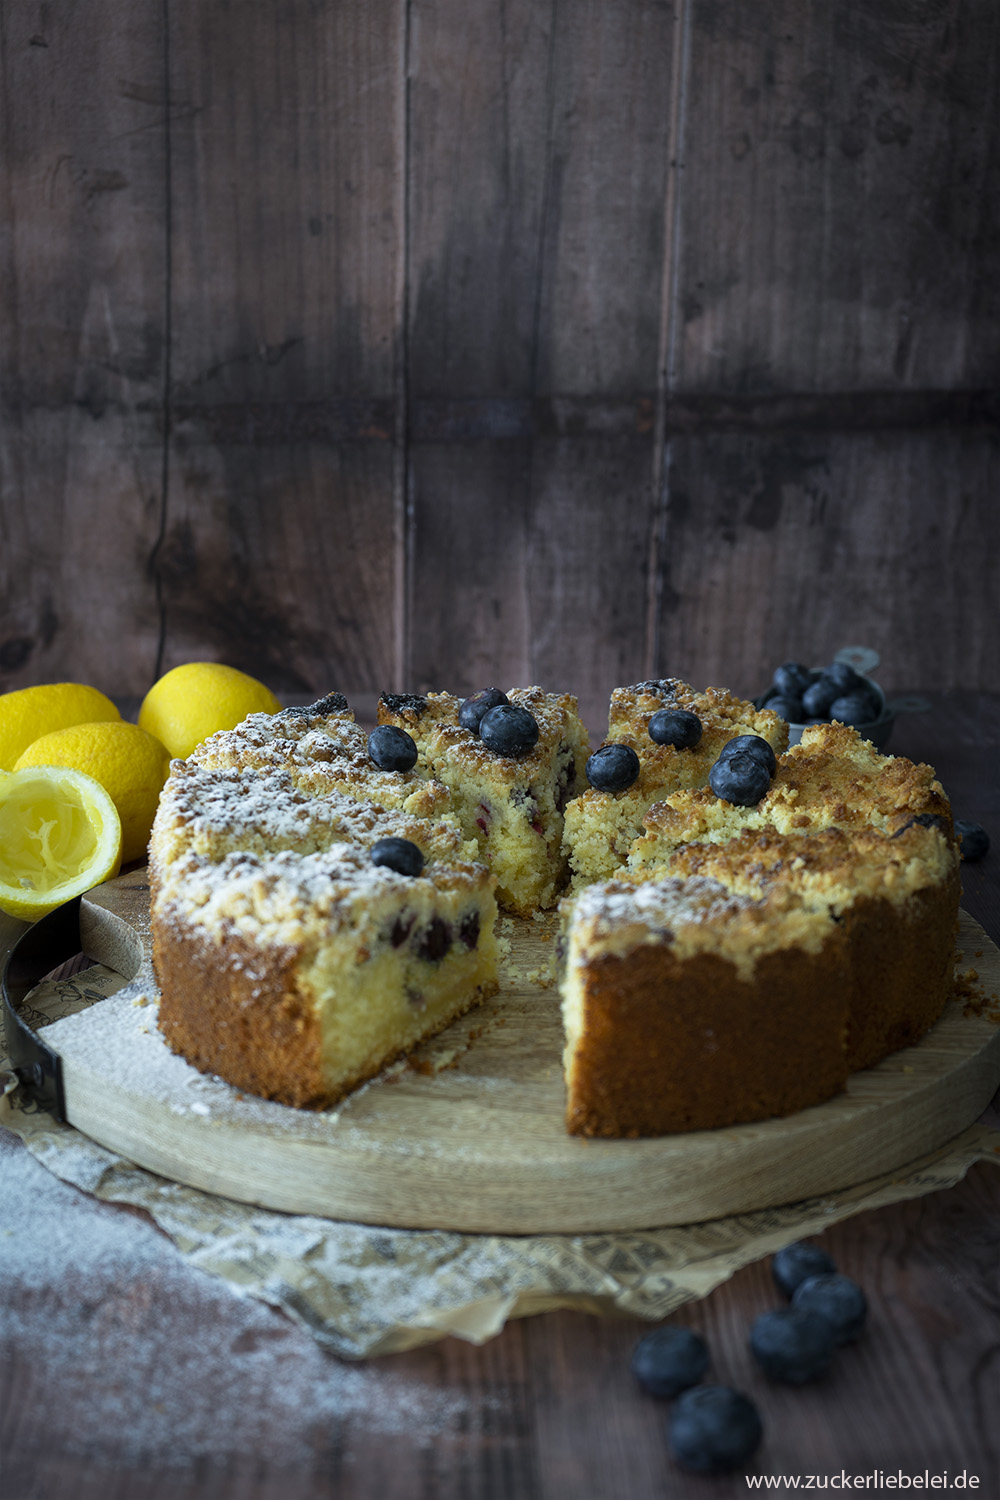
[
  {"x": 511, "y": 766},
  {"x": 302, "y": 939},
  {"x": 673, "y": 735}
]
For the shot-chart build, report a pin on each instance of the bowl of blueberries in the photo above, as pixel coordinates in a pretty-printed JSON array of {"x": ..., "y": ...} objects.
[{"x": 842, "y": 691}]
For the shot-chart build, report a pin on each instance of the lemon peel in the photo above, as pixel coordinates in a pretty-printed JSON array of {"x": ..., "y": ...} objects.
[
  {"x": 130, "y": 765},
  {"x": 28, "y": 713},
  {"x": 60, "y": 834},
  {"x": 199, "y": 698}
]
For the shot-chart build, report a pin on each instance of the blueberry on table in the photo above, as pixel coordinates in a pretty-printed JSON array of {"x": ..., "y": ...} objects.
[
  {"x": 741, "y": 778},
  {"x": 792, "y": 1344},
  {"x": 787, "y": 708},
  {"x": 791, "y": 679},
  {"x": 854, "y": 708},
  {"x": 613, "y": 768},
  {"x": 471, "y": 712},
  {"x": 398, "y": 854},
  {"x": 392, "y": 749},
  {"x": 668, "y": 1360},
  {"x": 836, "y": 1298},
  {"x": 675, "y": 726},
  {"x": 753, "y": 744},
  {"x": 713, "y": 1429},
  {"x": 508, "y": 729},
  {"x": 793, "y": 1263},
  {"x": 974, "y": 839}
]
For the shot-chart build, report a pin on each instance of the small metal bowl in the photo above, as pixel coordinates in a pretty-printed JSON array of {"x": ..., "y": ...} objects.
[{"x": 877, "y": 731}]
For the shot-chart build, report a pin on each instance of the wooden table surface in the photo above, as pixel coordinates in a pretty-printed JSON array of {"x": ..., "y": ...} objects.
[{"x": 126, "y": 1374}]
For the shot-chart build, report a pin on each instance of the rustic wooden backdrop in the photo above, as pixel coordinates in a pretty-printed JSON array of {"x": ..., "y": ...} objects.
[{"x": 368, "y": 343}]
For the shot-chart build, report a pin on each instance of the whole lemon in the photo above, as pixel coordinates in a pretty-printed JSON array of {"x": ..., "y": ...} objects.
[
  {"x": 130, "y": 765},
  {"x": 199, "y": 698},
  {"x": 27, "y": 713}
]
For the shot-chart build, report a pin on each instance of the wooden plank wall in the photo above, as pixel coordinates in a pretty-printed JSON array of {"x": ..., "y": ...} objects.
[{"x": 448, "y": 342}]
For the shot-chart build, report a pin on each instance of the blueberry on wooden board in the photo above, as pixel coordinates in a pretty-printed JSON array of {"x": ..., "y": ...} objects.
[
  {"x": 793, "y": 1263},
  {"x": 791, "y": 679},
  {"x": 975, "y": 841},
  {"x": 713, "y": 1429},
  {"x": 392, "y": 749},
  {"x": 836, "y": 1298},
  {"x": 792, "y": 1344},
  {"x": 398, "y": 854},
  {"x": 508, "y": 729},
  {"x": 752, "y": 744},
  {"x": 741, "y": 778},
  {"x": 470, "y": 714},
  {"x": 613, "y": 768},
  {"x": 787, "y": 708},
  {"x": 668, "y": 1360},
  {"x": 675, "y": 726}
]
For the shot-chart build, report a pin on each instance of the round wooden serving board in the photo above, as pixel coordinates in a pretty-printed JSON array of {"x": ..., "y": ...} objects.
[{"x": 469, "y": 1135}]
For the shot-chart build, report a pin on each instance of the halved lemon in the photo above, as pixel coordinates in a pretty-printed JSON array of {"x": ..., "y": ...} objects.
[{"x": 60, "y": 834}]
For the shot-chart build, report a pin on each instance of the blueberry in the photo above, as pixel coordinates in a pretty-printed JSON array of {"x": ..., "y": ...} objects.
[
  {"x": 713, "y": 1429},
  {"x": 854, "y": 708},
  {"x": 741, "y": 778},
  {"x": 613, "y": 768},
  {"x": 793, "y": 1263},
  {"x": 836, "y": 1298},
  {"x": 392, "y": 749},
  {"x": 791, "y": 679},
  {"x": 508, "y": 729},
  {"x": 471, "y": 712},
  {"x": 844, "y": 676},
  {"x": 792, "y": 1344},
  {"x": 668, "y": 1360},
  {"x": 435, "y": 940},
  {"x": 752, "y": 744},
  {"x": 975, "y": 840},
  {"x": 818, "y": 696},
  {"x": 399, "y": 855},
  {"x": 675, "y": 726},
  {"x": 787, "y": 708}
]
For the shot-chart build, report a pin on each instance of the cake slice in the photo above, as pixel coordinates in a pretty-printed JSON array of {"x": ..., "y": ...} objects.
[
  {"x": 301, "y": 943},
  {"x": 601, "y": 825},
  {"x": 512, "y": 804},
  {"x": 688, "y": 1006}
]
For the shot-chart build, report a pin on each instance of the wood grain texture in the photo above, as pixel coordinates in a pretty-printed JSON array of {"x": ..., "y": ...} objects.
[
  {"x": 786, "y": 546},
  {"x": 82, "y": 255},
  {"x": 839, "y": 219},
  {"x": 537, "y": 171}
]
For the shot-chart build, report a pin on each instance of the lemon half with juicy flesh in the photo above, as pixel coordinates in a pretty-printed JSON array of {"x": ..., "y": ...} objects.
[
  {"x": 129, "y": 763},
  {"x": 59, "y": 835}
]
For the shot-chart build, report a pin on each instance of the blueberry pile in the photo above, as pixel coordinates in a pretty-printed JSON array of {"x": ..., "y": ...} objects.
[
  {"x": 713, "y": 1429},
  {"x": 805, "y": 695},
  {"x": 742, "y": 774}
]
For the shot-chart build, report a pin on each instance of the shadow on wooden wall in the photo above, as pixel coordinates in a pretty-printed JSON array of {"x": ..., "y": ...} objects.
[{"x": 423, "y": 343}]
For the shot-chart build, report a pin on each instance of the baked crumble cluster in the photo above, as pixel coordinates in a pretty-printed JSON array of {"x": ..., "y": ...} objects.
[{"x": 744, "y": 924}]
